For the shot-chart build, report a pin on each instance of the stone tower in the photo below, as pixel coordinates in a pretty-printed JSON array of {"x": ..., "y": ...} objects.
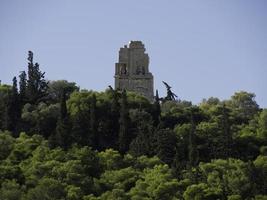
[{"x": 132, "y": 72}]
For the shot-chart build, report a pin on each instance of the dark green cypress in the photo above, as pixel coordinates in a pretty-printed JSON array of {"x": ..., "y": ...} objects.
[
  {"x": 81, "y": 128},
  {"x": 143, "y": 142},
  {"x": 124, "y": 121},
  {"x": 93, "y": 122},
  {"x": 224, "y": 147},
  {"x": 62, "y": 136},
  {"x": 227, "y": 132},
  {"x": 192, "y": 147},
  {"x": 22, "y": 86},
  {"x": 13, "y": 111},
  {"x": 36, "y": 84},
  {"x": 166, "y": 145},
  {"x": 114, "y": 118},
  {"x": 156, "y": 109}
]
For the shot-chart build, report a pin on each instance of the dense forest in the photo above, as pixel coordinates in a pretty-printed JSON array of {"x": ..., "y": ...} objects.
[{"x": 60, "y": 142}]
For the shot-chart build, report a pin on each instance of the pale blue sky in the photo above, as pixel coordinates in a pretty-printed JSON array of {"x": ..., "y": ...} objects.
[{"x": 202, "y": 48}]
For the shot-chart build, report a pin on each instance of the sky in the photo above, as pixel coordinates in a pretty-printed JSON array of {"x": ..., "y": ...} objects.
[{"x": 202, "y": 48}]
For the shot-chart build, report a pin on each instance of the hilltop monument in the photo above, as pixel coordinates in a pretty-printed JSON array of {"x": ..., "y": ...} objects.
[{"x": 132, "y": 72}]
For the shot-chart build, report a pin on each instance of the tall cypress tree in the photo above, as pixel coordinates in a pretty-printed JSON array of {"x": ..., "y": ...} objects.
[
  {"x": 81, "y": 128},
  {"x": 143, "y": 142},
  {"x": 22, "y": 86},
  {"x": 166, "y": 145},
  {"x": 124, "y": 121},
  {"x": 156, "y": 109},
  {"x": 13, "y": 111},
  {"x": 31, "y": 91},
  {"x": 62, "y": 137},
  {"x": 227, "y": 136},
  {"x": 192, "y": 148},
  {"x": 93, "y": 122},
  {"x": 114, "y": 118},
  {"x": 36, "y": 85}
]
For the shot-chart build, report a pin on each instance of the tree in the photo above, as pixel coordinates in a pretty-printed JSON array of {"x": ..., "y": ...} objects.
[
  {"x": 22, "y": 86},
  {"x": 36, "y": 84},
  {"x": 93, "y": 122},
  {"x": 226, "y": 131},
  {"x": 10, "y": 190},
  {"x": 261, "y": 167},
  {"x": 225, "y": 137},
  {"x": 114, "y": 117},
  {"x": 81, "y": 128},
  {"x": 156, "y": 109},
  {"x": 156, "y": 183},
  {"x": 47, "y": 189},
  {"x": 262, "y": 131},
  {"x": 192, "y": 148},
  {"x": 7, "y": 144},
  {"x": 124, "y": 133},
  {"x": 110, "y": 159},
  {"x": 244, "y": 106},
  {"x": 123, "y": 179},
  {"x": 5, "y": 91},
  {"x": 201, "y": 191},
  {"x": 13, "y": 110},
  {"x": 143, "y": 142},
  {"x": 62, "y": 137},
  {"x": 166, "y": 145},
  {"x": 230, "y": 177},
  {"x": 55, "y": 89}
]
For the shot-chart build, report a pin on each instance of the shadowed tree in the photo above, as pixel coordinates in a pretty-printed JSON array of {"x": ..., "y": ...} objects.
[
  {"x": 192, "y": 148},
  {"x": 93, "y": 122},
  {"x": 62, "y": 137},
  {"x": 156, "y": 109},
  {"x": 36, "y": 85},
  {"x": 55, "y": 89},
  {"x": 114, "y": 116},
  {"x": 166, "y": 145},
  {"x": 13, "y": 110},
  {"x": 143, "y": 123},
  {"x": 227, "y": 132},
  {"x": 22, "y": 86},
  {"x": 124, "y": 134}
]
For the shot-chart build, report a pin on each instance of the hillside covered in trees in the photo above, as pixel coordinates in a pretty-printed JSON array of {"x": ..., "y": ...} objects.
[{"x": 60, "y": 142}]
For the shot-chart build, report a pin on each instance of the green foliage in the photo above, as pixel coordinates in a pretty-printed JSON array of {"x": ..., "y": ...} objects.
[
  {"x": 13, "y": 110},
  {"x": 36, "y": 84},
  {"x": 228, "y": 176},
  {"x": 6, "y": 144},
  {"x": 31, "y": 170},
  {"x": 11, "y": 190},
  {"x": 155, "y": 183},
  {"x": 41, "y": 119},
  {"x": 262, "y": 131},
  {"x": 117, "y": 145},
  {"x": 166, "y": 144},
  {"x": 5, "y": 90},
  {"x": 156, "y": 110},
  {"x": 244, "y": 106},
  {"x": 47, "y": 189},
  {"x": 110, "y": 159},
  {"x": 143, "y": 142},
  {"x": 56, "y": 89},
  {"x": 124, "y": 133},
  {"x": 201, "y": 191},
  {"x": 22, "y": 86}
]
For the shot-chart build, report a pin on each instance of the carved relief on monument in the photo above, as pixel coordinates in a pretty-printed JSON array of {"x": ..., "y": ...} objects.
[
  {"x": 123, "y": 69},
  {"x": 140, "y": 70}
]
